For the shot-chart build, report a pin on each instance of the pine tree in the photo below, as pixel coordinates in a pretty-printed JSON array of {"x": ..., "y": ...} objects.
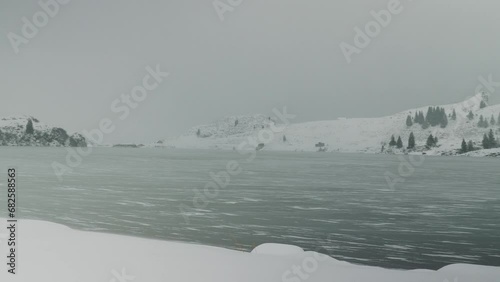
[
  {"x": 399, "y": 144},
  {"x": 435, "y": 140},
  {"x": 480, "y": 123},
  {"x": 430, "y": 141},
  {"x": 470, "y": 116},
  {"x": 425, "y": 125},
  {"x": 486, "y": 123},
  {"x": 486, "y": 142},
  {"x": 464, "y": 146},
  {"x": 491, "y": 139},
  {"x": 393, "y": 141},
  {"x": 198, "y": 133},
  {"x": 492, "y": 120},
  {"x": 29, "y": 127},
  {"x": 429, "y": 118},
  {"x": 482, "y": 105},
  {"x": 284, "y": 138},
  {"x": 416, "y": 118},
  {"x": 470, "y": 146},
  {"x": 444, "y": 120},
  {"x": 409, "y": 121},
  {"x": 236, "y": 122},
  {"x": 454, "y": 115},
  {"x": 411, "y": 141}
]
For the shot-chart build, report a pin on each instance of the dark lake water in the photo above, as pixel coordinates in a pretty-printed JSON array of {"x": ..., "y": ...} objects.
[{"x": 446, "y": 211}]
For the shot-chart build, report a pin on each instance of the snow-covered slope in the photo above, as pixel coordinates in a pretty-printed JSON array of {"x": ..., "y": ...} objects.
[
  {"x": 50, "y": 252},
  {"x": 345, "y": 135},
  {"x": 13, "y": 132}
]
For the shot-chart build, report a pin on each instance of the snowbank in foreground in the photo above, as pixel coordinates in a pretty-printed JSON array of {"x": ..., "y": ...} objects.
[{"x": 53, "y": 253}]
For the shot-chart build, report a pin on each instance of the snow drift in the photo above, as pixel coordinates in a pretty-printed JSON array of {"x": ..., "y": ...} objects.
[{"x": 50, "y": 252}]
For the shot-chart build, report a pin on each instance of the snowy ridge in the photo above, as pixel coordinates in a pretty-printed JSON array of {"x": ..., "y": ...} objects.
[{"x": 348, "y": 135}]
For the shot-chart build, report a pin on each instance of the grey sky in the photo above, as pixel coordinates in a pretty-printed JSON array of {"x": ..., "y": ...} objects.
[{"x": 264, "y": 54}]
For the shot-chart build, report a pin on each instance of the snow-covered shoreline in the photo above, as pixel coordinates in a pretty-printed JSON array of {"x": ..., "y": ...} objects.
[{"x": 51, "y": 252}]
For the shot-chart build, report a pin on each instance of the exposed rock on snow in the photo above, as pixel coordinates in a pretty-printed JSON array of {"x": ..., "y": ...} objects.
[{"x": 13, "y": 132}]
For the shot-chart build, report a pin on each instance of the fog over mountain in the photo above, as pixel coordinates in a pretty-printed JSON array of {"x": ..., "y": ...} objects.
[{"x": 264, "y": 54}]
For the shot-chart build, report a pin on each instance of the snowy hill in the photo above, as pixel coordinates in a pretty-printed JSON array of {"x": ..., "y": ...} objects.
[
  {"x": 347, "y": 135},
  {"x": 14, "y": 131}
]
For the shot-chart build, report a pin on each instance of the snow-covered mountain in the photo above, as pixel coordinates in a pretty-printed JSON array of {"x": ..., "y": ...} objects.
[
  {"x": 29, "y": 131},
  {"x": 347, "y": 135}
]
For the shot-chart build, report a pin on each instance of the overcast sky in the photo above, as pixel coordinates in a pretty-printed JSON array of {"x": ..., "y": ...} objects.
[{"x": 264, "y": 54}]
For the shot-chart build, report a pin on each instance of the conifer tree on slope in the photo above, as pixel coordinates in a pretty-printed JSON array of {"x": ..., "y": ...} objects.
[
  {"x": 393, "y": 141},
  {"x": 430, "y": 141},
  {"x": 454, "y": 115},
  {"x": 409, "y": 121},
  {"x": 411, "y": 141},
  {"x": 421, "y": 117},
  {"x": 491, "y": 139},
  {"x": 399, "y": 144},
  {"x": 486, "y": 142},
  {"x": 425, "y": 125},
  {"x": 29, "y": 127},
  {"x": 464, "y": 146},
  {"x": 470, "y": 115},
  {"x": 444, "y": 120},
  {"x": 480, "y": 123},
  {"x": 470, "y": 146},
  {"x": 482, "y": 105}
]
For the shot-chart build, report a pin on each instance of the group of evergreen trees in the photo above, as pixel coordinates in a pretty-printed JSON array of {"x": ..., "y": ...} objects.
[
  {"x": 431, "y": 141},
  {"x": 419, "y": 118},
  {"x": 435, "y": 116},
  {"x": 399, "y": 143},
  {"x": 467, "y": 147},
  {"x": 483, "y": 122},
  {"x": 489, "y": 140}
]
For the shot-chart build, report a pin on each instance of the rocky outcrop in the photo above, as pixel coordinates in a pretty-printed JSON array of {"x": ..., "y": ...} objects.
[{"x": 29, "y": 131}]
